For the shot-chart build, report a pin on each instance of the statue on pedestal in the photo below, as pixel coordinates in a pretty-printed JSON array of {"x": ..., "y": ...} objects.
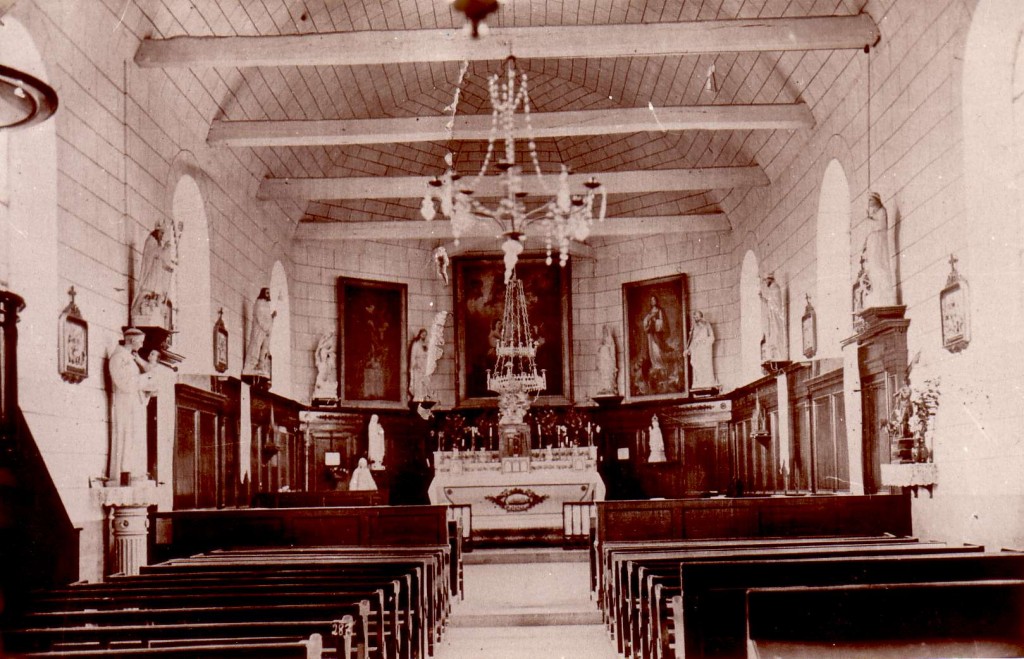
[
  {"x": 607, "y": 368},
  {"x": 418, "y": 377},
  {"x": 656, "y": 443},
  {"x": 326, "y": 386},
  {"x": 700, "y": 349},
  {"x": 257, "y": 350},
  {"x": 773, "y": 311},
  {"x": 127, "y": 411},
  {"x": 159, "y": 259},
  {"x": 376, "y": 443},
  {"x": 875, "y": 285}
]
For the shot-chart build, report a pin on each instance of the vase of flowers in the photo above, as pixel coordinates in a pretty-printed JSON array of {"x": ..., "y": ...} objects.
[{"x": 910, "y": 421}]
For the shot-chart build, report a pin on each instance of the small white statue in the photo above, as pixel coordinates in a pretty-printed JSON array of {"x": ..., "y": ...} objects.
[
  {"x": 875, "y": 281},
  {"x": 326, "y": 387},
  {"x": 376, "y": 443},
  {"x": 656, "y": 442},
  {"x": 700, "y": 349},
  {"x": 362, "y": 479},
  {"x": 441, "y": 262},
  {"x": 607, "y": 369},
  {"x": 257, "y": 350},
  {"x": 418, "y": 378},
  {"x": 774, "y": 317}
]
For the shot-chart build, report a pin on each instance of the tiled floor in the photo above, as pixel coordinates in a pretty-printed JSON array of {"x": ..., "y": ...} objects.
[{"x": 527, "y": 610}]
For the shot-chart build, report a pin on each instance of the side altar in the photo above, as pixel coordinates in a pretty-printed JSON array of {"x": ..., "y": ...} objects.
[{"x": 516, "y": 487}]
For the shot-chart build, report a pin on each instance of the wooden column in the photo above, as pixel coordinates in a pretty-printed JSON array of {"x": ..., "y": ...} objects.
[{"x": 881, "y": 343}]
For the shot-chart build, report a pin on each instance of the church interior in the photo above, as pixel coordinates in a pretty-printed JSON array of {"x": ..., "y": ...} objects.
[{"x": 476, "y": 328}]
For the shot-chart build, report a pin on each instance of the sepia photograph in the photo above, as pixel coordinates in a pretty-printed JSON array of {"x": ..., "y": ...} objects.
[{"x": 494, "y": 329}]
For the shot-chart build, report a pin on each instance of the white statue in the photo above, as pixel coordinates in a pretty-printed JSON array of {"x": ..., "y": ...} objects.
[
  {"x": 607, "y": 369},
  {"x": 159, "y": 259},
  {"x": 257, "y": 350},
  {"x": 326, "y": 387},
  {"x": 376, "y": 444},
  {"x": 656, "y": 442},
  {"x": 876, "y": 282},
  {"x": 700, "y": 349},
  {"x": 418, "y": 377},
  {"x": 362, "y": 479},
  {"x": 774, "y": 319},
  {"x": 127, "y": 410}
]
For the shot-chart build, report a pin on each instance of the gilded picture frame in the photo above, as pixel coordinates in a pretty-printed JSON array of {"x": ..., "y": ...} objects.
[
  {"x": 479, "y": 290},
  {"x": 655, "y": 313},
  {"x": 372, "y": 356}
]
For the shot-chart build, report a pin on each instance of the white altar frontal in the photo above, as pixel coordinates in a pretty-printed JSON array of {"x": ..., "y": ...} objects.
[{"x": 524, "y": 491}]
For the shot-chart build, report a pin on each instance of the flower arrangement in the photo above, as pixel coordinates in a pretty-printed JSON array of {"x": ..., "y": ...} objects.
[{"x": 910, "y": 420}]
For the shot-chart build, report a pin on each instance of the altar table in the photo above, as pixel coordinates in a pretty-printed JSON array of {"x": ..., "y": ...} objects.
[{"x": 519, "y": 493}]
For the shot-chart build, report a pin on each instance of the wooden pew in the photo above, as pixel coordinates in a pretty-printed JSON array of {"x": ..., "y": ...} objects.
[
  {"x": 612, "y": 552},
  {"x": 373, "y": 610},
  {"x": 713, "y": 594},
  {"x": 63, "y": 639},
  {"x": 647, "y": 622},
  {"x": 310, "y": 648},
  {"x": 751, "y": 517},
  {"x": 892, "y": 620},
  {"x": 431, "y": 561},
  {"x": 427, "y": 609}
]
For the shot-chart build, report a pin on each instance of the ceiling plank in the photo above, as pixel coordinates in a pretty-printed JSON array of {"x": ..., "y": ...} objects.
[
  {"x": 413, "y": 187},
  {"x": 574, "y": 41},
  {"x": 442, "y": 229},
  {"x": 786, "y": 116}
]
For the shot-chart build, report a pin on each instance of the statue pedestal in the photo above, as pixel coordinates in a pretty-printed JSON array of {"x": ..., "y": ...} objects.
[{"x": 128, "y": 516}]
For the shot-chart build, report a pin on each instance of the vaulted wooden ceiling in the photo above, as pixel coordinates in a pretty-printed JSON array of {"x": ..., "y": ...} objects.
[{"x": 344, "y": 102}]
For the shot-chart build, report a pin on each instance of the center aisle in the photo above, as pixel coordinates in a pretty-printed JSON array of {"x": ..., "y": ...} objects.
[{"x": 526, "y": 604}]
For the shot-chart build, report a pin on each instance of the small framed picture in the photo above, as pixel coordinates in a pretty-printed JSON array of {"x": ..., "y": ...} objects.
[
  {"x": 220, "y": 344},
  {"x": 955, "y": 310},
  {"x": 73, "y": 347},
  {"x": 809, "y": 330}
]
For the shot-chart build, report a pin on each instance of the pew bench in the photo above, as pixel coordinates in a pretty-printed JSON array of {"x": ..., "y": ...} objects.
[
  {"x": 643, "y": 621},
  {"x": 310, "y": 648},
  {"x": 433, "y": 597},
  {"x": 892, "y": 620},
  {"x": 713, "y": 596}
]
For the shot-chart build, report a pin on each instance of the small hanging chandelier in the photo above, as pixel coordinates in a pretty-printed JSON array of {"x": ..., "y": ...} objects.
[
  {"x": 564, "y": 217},
  {"x": 515, "y": 378}
]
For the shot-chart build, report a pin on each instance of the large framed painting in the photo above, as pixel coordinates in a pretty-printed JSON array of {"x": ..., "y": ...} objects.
[
  {"x": 479, "y": 305},
  {"x": 371, "y": 335},
  {"x": 655, "y": 313}
]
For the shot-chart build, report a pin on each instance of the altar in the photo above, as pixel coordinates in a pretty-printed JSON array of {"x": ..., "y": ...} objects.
[{"x": 524, "y": 491}]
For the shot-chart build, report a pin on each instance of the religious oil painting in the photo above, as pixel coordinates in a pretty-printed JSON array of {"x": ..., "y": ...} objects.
[
  {"x": 655, "y": 313},
  {"x": 479, "y": 306},
  {"x": 371, "y": 333}
]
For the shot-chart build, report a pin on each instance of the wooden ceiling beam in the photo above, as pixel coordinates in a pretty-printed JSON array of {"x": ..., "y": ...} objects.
[
  {"x": 413, "y": 187},
  {"x": 442, "y": 229},
  {"x": 783, "y": 116},
  {"x": 573, "y": 41}
]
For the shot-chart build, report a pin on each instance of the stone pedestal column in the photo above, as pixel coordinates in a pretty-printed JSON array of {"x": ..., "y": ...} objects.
[
  {"x": 127, "y": 512},
  {"x": 129, "y": 527}
]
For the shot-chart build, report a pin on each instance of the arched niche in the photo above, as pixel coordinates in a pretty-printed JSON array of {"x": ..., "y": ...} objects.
[
  {"x": 281, "y": 336},
  {"x": 192, "y": 279},
  {"x": 832, "y": 296},
  {"x": 30, "y": 238},
  {"x": 750, "y": 319}
]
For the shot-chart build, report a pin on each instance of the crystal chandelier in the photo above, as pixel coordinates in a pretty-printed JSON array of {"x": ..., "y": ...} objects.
[
  {"x": 564, "y": 217},
  {"x": 515, "y": 378}
]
